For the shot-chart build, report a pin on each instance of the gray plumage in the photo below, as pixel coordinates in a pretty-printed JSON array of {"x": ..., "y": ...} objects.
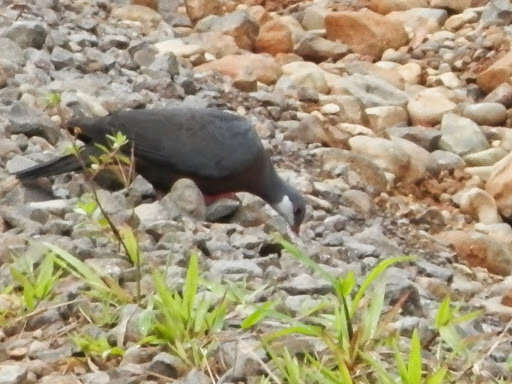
[{"x": 220, "y": 151}]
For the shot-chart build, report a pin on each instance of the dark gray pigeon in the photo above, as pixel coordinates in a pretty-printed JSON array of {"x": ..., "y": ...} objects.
[{"x": 218, "y": 150}]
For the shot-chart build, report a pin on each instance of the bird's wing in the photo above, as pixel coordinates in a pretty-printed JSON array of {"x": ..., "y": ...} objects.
[{"x": 189, "y": 141}]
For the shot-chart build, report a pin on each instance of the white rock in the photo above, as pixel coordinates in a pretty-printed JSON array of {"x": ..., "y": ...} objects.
[{"x": 479, "y": 204}]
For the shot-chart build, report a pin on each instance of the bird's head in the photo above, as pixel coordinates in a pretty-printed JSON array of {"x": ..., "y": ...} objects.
[{"x": 291, "y": 206}]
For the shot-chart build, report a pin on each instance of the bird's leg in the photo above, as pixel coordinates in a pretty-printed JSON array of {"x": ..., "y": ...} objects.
[{"x": 210, "y": 199}]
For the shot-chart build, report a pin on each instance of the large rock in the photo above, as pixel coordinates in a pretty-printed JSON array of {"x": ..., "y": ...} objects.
[
  {"x": 237, "y": 24},
  {"x": 147, "y": 17},
  {"x": 11, "y": 51},
  {"x": 316, "y": 48},
  {"x": 365, "y": 32},
  {"x": 27, "y": 34},
  {"x": 31, "y": 122},
  {"x": 248, "y": 67},
  {"x": 384, "y": 117},
  {"x": 420, "y": 160},
  {"x": 454, "y": 5},
  {"x": 13, "y": 373},
  {"x": 499, "y": 185},
  {"x": 479, "y": 250},
  {"x": 386, "y": 6},
  {"x": 303, "y": 74},
  {"x": 274, "y": 37},
  {"x": 486, "y": 113},
  {"x": 479, "y": 204},
  {"x": 420, "y": 20},
  {"x": 498, "y": 73},
  {"x": 197, "y": 9},
  {"x": 372, "y": 91},
  {"x": 427, "y": 107},
  {"x": 461, "y": 135},
  {"x": 385, "y": 153}
]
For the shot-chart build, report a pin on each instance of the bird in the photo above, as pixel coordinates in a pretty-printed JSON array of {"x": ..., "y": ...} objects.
[{"x": 219, "y": 150}]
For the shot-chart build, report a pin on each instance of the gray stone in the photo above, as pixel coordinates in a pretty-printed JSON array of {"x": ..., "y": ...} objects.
[
  {"x": 225, "y": 267},
  {"x": 371, "y": 91},
  {"x": 427, "y": 138},
  {"x": 27, "y": 34},
  {"x": 61, "y": 58},
  {"x": 461, "y": 135},
  {"x": 31, "y": 122},
  {"x": 18, "y": 163},
  {"x": 318, "y": 49},
  {"x": 244, "y": 356},
  {"x": 447, "y": 160},
  {"x": 188, "y": 198},
  {"x": 305, "y": 284},
  {"x": 11, "y": 51},
  {"x": 221, "y": 208},
  {"x": 432, "y": 270},
  {"x": 56, "y": 378},
  {"x": 195, "y": 376},
  {"x": 501, "y": 94},
  {"x": 140, "y": 189},
  {"x": 167, "y": 365},
  {"x": 486, "y": 157},
  {"x": 12, "y": 373},
  {"x": 399, "y": 285},
  {"x": 95, "y": 378},
  {"x": 486, "y": 113},
  {"x": 497, "y": 12}
]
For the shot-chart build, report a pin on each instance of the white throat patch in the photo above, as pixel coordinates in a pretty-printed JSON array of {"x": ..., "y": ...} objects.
[{"x": 285, "y": 208}]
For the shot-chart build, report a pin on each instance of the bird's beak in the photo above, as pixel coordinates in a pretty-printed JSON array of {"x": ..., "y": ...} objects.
[{"x": 296, "y": 229}]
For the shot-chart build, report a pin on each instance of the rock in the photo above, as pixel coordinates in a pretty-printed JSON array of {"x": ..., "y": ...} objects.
[
  {"x": 95, "y": 378},
  {"x": 12, "y": 373},
  {"x": 56, "y": 378},
  {"x": 147, "y": 17},
  {"x": 309, "y": 130},
  {"x": 457, "y": 21},
  {"x": 244, "y": 356},
  {"x": 274, "y": 37},
  {"x": 222, "y": 208},
  {"x": 427, "y": 107},
  {"x": 358, "y": 200},
  {"x": 479, "y": 250},
  {"x": 479, "y": 204},
  {"x": 237, "y": 24},
  {"x": 386, "y": 6},
  {"x": 385, "y": 153},
  {"x": 501, "y": 94},
  {"x": 313, "y": 18},
  {"x": 176, "y": 47},
  {"x": 27, "y": 34},
  {"x": 461, "y": 135},
  {"x": 11, "y": 51},
  {"x": 447, "y": 160},
  {"x": 248, "y": 67},
  {"x": 499, "y": 183},
  {"x": 317, "y": 49},
  {"x": 486, "y": 157},
  {"x": 197, "y": 9},
  {"x": 305, "y": 284},
  {"x": 486, "y": 113},
  {"x": 370, "y": 90},
  {"x": 496, "y": 12},
  {"x": 31, "y": 122},
  {"x": 454, "y": 5},
  {"x": 433, "y": 270},
  {"x": 359, "y": 171},
  {"x": 167, "y": 365},
  {"x": 61, "y": 58},
  {"x": 427, "y": 138},
  {"x": 194, "y": 376},
  {"x": 188, "y": 198},
  {"x": 18, "y": 163},
  {"x": 300, "y": 74},
  {"x": 420, "y": 20},
  {"x": 381, "y": 118},
  {"x": 420, "y": 161},
  {"x": 365, "y": 32},
  {"x": 220, "y": 268},
  {"x": 498, "y": 73}
]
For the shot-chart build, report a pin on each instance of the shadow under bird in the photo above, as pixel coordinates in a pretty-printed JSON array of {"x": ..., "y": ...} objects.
[{"x": 218, "y": 150}]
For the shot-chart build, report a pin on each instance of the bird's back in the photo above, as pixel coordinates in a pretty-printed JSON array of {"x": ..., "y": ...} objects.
[{"x": 198, "y": 142}]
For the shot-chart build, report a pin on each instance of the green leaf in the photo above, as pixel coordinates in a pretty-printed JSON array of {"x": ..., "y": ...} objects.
[
  {"x": 306, "y": 330},
  {"x": 372, "y": 316},
  {"x": 131, "y": 243},
  {"x": 259, "y": 314},
  {"x": 378, "y": 270},
  {"x": 438, "y": 376},
  {"x": 414, "y": 364},
  {"x": 451, "y": 337},
  {"x": 191, "y": 283},
  {"x": 28, "y": 288},
  {"x": 444, "y": 314}
]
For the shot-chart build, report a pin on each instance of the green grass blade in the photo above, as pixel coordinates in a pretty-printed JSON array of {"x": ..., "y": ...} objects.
[
  {"x": 438, "y": 376},
  {"x": 400, "y": 364},
  {"x": 258, "y": 315},
  {"x": 444, "y": 314},
  {"x": 376, "y": 272},
  {"x": 372, "y": 317},
  {"x": 306, "y": 330},
  {"x": 383, "y": 376},
  {"x": 28, "y": 288},
  {"x": 414, "y": 364},
  {"x": 132, "y": 245},
  {"x": 191, "y": 283}
]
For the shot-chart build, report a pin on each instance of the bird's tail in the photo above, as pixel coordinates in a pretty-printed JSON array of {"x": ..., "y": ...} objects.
[{"x": 53, "y": 167}]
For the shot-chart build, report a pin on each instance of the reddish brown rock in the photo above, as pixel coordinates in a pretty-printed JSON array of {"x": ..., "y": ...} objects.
[
  {"x": 197, "y": 9},
  {"x": 274, "y": 37},
  {"x": 507, "y": 298},
  {"x": 366, "y": 32},
  {"x": 147, "y": 3},
  {"x": 386, "y": 6},
  {"x": 479, "y": 250},
  {"x": 498, "y": 73},
  {"x": 248, "y": 67}
]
